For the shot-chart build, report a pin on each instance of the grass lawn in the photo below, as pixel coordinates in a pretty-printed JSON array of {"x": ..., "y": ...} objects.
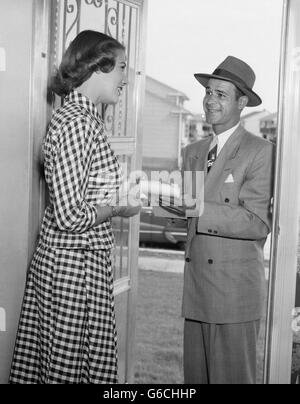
[
  {"x": 159, "y": 338},
  {"x": 159, "y": 329}
]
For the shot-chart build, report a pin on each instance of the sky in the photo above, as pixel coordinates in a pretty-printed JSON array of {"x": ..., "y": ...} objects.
[{"x": 194, "y": 36}]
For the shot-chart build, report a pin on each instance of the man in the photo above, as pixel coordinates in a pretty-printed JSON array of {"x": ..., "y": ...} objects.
[{"x": 224, "y": 284}]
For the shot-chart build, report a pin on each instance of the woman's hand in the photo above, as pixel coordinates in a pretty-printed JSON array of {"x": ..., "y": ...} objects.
[
  {"x": 127, "y": 211},
  {"x": 128, "y": 207},
  {"x": 104, "y": 213}
]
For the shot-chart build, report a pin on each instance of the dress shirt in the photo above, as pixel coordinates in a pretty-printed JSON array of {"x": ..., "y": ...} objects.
[{"x": 223, "y": 137}]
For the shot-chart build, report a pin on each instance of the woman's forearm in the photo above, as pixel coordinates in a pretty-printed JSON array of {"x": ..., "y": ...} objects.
[
  {"x": 107, "y": 212},
  {"x": 103, "y": 214}
]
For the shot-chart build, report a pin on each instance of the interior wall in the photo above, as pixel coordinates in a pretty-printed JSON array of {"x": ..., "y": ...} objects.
[{"x": 16, "y": 22}]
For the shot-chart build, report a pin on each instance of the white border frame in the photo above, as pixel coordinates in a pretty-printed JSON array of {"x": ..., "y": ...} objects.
[{"x": 279, "y": 339}]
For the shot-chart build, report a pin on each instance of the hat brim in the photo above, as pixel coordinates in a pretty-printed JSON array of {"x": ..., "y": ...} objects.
[{"x": 254, "y": 99}]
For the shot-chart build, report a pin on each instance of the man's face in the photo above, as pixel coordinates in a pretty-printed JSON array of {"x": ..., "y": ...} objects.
[{"x": 221, "y": 107}]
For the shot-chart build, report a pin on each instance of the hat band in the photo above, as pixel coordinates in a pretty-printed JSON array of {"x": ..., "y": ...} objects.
[{"x": 231, "y": 76}]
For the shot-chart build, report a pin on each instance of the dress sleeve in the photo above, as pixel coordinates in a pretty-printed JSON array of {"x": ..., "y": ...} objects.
[{"x": 70, "y": 177}]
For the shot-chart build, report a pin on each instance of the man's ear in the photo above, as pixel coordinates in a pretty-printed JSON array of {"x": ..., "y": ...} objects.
[{"x": 243, "y": 102}]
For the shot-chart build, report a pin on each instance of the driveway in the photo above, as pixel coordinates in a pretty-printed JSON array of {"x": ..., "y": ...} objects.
[{"x": 161, "y": 260}]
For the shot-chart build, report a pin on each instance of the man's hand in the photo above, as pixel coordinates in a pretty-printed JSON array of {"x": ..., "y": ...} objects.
[
  {"x": 173, "y": 206},
  {"x": 179, "y": 207}
]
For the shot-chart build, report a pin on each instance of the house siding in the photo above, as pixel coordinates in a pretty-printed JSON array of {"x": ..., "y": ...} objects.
[{"x": 162, "y": 131}]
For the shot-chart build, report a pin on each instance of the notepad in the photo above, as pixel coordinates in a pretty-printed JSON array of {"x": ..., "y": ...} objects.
[{"x": 155, "y": 189}]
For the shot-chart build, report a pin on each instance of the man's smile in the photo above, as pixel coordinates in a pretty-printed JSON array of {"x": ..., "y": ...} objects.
[{"x": 212, "y": 110}]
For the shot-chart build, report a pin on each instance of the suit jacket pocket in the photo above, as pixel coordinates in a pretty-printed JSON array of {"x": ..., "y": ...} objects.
[
  {"x": 229, "y": 193},
  {"x": 239, "y": 251}
]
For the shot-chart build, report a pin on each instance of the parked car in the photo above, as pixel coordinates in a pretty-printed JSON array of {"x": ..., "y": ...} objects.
[{"x": 158, "y": 231}]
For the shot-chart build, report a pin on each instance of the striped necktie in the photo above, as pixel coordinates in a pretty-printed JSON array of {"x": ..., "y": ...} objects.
[{"x": 212, "y": 153}]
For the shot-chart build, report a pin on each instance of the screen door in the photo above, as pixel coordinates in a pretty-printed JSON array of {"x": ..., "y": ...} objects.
[{"x": 125, "y": 21}]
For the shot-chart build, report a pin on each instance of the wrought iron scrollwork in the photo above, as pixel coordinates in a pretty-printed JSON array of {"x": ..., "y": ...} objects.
[
  {"x": 70, "y": 8},
  {"x": 118, "y": 19},
  {"x": 112, "y": 19},
  {"x": 96, "y": 3}
]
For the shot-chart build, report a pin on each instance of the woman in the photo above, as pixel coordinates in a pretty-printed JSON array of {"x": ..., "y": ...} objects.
[{"x": 67, "y": 330}]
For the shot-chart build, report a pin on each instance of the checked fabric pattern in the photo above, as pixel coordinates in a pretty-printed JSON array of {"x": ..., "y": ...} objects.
[
  {"x": 81, "y": 171},
  {"x": 67, "y": 330}
]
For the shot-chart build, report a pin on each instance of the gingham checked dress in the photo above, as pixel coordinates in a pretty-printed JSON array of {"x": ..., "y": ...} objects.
[{"x": 67, "y": 331}]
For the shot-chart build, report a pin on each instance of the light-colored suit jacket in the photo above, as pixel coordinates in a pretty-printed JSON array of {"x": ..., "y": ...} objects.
[{"x": 224, "y": 279}]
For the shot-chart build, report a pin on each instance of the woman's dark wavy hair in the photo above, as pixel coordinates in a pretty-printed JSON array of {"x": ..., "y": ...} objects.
[{"x": 89, "y": 52}]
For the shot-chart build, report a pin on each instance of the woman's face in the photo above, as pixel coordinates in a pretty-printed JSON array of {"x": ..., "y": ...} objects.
[{"x": 106, "y": 88}]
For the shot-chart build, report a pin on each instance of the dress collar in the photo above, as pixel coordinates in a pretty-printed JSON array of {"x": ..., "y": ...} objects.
[{"x": 84, "y": 102}]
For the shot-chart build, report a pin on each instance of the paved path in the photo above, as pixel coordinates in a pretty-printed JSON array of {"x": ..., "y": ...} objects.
[
  {"x": 161, "y": 260},
  {"x": 161, "y": 264}
]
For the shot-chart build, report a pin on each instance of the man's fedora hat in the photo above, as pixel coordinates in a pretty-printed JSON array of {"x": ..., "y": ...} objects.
[{"x": 237, "y": 72}]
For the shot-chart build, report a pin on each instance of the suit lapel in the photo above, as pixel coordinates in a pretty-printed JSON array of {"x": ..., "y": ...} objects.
[
  {"x": 219, "y": 172},
  {"x": 197, "y": 160},
  {"x": 224, "y": 163}
]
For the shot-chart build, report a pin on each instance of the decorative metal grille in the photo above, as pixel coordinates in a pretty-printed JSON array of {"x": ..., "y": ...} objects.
[
  {"x": 121, "y": 228},
  {"x": 116, "y": 18}
]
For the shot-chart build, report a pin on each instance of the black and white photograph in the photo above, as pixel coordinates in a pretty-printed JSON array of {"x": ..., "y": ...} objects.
[{"x": 149, "y": 194}]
